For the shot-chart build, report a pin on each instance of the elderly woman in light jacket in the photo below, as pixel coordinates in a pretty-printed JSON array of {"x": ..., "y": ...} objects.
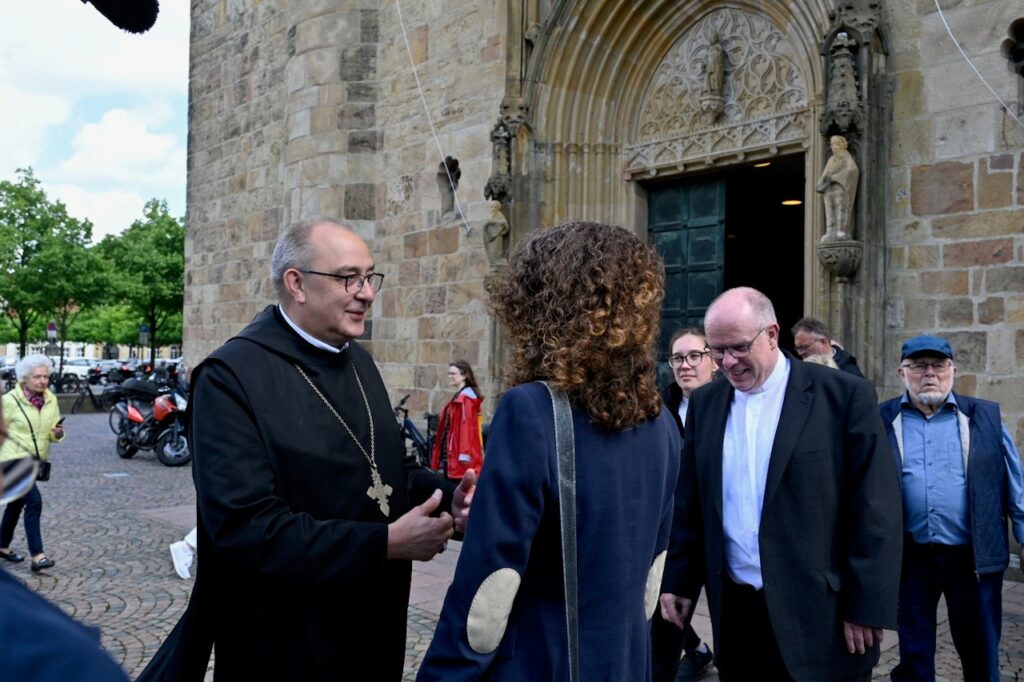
[{"x": 31, "y": 420}]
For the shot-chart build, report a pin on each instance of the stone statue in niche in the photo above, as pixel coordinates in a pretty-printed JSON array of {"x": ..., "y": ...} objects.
[
  {"x": 712, "y": 70},
  {"x": 448, "y": 174},
  {"x": 838, "y": 184},
  {"x": 496, "y": 237}
]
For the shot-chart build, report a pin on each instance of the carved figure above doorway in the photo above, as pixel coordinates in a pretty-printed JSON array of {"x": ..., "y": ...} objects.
[
  {"x": 731, "y": 85},
  {"x": 713, "y": 72},
  {"x": 738, "y": 56}
]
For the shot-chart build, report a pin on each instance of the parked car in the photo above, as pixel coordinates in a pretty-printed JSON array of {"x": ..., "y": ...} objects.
[{"x": 78, "y": 366}]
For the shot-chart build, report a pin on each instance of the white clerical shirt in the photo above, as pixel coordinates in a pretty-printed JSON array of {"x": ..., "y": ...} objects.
[
  {"x": 309, "y": 338},
  {"x": 684, "y": 404},
  {"x": 749, "y": 436}
]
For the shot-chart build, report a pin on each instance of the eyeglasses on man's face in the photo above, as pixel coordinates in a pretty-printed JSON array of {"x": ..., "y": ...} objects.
[
  {"x": 740, "y": 350},
  {"x": 920, "y": 367},
  {"x": 804, "y": 349},
  {"x": 353, "y": 283},
  {"x": 693, "y": 358}
]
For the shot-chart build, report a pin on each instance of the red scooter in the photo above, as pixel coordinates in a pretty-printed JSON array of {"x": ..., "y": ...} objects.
[{"x": 148, "y": 417}]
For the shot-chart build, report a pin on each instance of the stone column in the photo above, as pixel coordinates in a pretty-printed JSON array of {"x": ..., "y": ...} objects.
[{"x": 331, "y": 95}]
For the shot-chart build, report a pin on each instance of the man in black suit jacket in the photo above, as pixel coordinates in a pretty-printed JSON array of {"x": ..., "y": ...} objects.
[
  {"x": 811, "y": 337},
  {"x": 787, "y": 509}
]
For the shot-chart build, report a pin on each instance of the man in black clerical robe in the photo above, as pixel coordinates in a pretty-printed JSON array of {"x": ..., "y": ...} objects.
[{"x": 306, "y": 503}]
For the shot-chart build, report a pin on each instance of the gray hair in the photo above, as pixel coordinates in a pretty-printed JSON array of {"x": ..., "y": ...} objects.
[
  {"x": 293, "y": 250},
  {"x": 811, "y": 325},
  {"x": 29, "y": 363},
  {"x": 760, "y": 305},
  {"x": 819, "y": 359}
]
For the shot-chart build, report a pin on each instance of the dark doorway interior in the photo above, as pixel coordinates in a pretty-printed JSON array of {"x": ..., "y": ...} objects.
[
  {"x": 727, "y": 229},
  {"x": 764, "y": 239}
]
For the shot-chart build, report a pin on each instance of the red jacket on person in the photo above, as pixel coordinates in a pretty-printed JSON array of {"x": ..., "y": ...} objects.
[{"x": 458, "y": 436}]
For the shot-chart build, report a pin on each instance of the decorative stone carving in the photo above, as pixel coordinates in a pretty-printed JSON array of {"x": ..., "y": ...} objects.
[
  {"x": 761, "y": 75},
  {"x": 841, "y": 258},
  {"x": 514, "y": 112},
  {"x": 448, "y": 175},
  {"x": 838, "y": 182},
  {"x": 713, "y": 72},
  {"x": 844, "y": 110},
  {"x": 499, "y": 184},
  {"x": 706, "y": 146},
  {"x": 863, "y": 16},
  {"x": 496, "y": 237},
  {"x": 739, "y": 58}
]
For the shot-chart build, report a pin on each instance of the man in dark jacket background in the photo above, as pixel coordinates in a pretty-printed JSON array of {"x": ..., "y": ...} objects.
[
  {"x": 961, "y": 478},
  {"x": 811, "y": 337}
]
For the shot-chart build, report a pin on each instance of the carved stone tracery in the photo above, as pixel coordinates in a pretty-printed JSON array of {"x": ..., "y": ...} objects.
[
  {"x": 844, "y": 110},
  {"x": 763, "y": 96}
]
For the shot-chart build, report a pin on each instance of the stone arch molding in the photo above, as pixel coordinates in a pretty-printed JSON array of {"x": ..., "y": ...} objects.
[
  {"x": 601, "y": 80},
  {"x": 755, "y": 99}
]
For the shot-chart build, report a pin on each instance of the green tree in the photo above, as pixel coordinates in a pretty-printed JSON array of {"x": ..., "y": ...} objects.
[
  {"x": 75, "y": 278},
  {"x": 148, "y": 262},
  {"x": 45, "y": 265},
  {"x": 114, "y": 323}
]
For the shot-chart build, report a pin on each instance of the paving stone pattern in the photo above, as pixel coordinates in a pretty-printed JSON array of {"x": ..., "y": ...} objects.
[{"x": 107, "y": 522}]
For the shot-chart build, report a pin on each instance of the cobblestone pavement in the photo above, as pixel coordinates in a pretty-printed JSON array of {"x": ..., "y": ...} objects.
[{"x": 107, "y": 523}]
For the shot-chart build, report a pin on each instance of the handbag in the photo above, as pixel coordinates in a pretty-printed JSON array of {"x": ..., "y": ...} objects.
[
  {"x": 43, "y": 473},
  {"x": 565, "y": 447}
]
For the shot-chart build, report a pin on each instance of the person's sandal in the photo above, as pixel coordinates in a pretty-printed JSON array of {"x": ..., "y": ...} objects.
[
  {"x": 46, "y": 562},
  {"x": 12, "y": 556}
]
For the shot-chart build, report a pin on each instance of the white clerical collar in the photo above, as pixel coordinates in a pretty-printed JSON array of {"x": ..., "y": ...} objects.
[
  {"x": 312, "y": 340},
  {"x": 776, "y": 379}
]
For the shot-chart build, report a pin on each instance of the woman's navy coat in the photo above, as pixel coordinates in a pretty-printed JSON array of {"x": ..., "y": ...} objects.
[{"x": 625, "y": 484}]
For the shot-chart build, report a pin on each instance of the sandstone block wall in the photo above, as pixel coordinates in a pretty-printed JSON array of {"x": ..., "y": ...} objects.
[
  {"x": 302, "y": 109},
  {"x": 236, "y": 137},
  {"x": 956, "y": 209},
  {"x": 432, "y": 310}
]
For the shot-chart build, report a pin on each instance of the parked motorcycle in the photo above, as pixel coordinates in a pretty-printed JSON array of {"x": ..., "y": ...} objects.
[
  {"x": 420, "y": 449},
  {"x": 9, "y": 378},
  {"x": 150, "y": 417}
]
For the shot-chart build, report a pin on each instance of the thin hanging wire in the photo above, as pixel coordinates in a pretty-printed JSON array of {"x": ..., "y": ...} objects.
[
  {"x": 975, "y": 69},
  {"x": 430, "y": 120}
]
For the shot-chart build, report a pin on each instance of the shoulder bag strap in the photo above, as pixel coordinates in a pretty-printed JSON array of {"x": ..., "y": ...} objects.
[
  {"x": 29, "y": 422},
  {"x": 566, "y": 450}
]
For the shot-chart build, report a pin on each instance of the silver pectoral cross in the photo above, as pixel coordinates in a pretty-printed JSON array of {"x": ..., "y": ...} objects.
[{"x": 379, "y": 492}]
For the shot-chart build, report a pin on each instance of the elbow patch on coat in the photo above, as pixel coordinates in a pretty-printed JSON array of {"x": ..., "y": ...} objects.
[
  {"x": 654, "y": 584},
  {"x": 489, "y": 612}
]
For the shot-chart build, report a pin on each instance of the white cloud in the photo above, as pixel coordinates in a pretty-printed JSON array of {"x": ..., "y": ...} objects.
[
  {"x": 67, "y": 46},
  {"x": 25, "y": 119},
  {"x": 122, "y": 149},
  {"x": 110, "y": 211},
  {"x": 61, "y": 64}
]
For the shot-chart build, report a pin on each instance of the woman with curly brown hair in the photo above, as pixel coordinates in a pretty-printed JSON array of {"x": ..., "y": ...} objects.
[{"x": 580, "y": 305}]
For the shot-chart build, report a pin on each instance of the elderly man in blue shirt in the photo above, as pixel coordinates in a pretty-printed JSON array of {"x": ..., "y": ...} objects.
[{"x": 961, "y": 479}]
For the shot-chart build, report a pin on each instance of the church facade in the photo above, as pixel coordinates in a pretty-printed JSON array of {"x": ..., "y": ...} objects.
[{"x": 707, "y": 126}]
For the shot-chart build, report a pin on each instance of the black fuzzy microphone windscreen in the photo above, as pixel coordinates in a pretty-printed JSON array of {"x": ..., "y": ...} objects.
[{"x": 134, "y": 16}]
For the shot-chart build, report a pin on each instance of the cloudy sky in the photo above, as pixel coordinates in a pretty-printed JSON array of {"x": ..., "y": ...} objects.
[{"x": 99, "y": 114}]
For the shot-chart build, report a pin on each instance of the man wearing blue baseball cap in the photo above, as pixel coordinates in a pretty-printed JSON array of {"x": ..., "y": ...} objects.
[{"x": 961, "y": 478}]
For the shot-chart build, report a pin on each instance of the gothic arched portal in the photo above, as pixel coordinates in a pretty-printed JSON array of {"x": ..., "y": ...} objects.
[{"x": 609, "y": 99}]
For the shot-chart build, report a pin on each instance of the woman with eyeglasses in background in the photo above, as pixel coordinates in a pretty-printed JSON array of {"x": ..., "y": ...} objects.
[{"x": 692, "y": 367}]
